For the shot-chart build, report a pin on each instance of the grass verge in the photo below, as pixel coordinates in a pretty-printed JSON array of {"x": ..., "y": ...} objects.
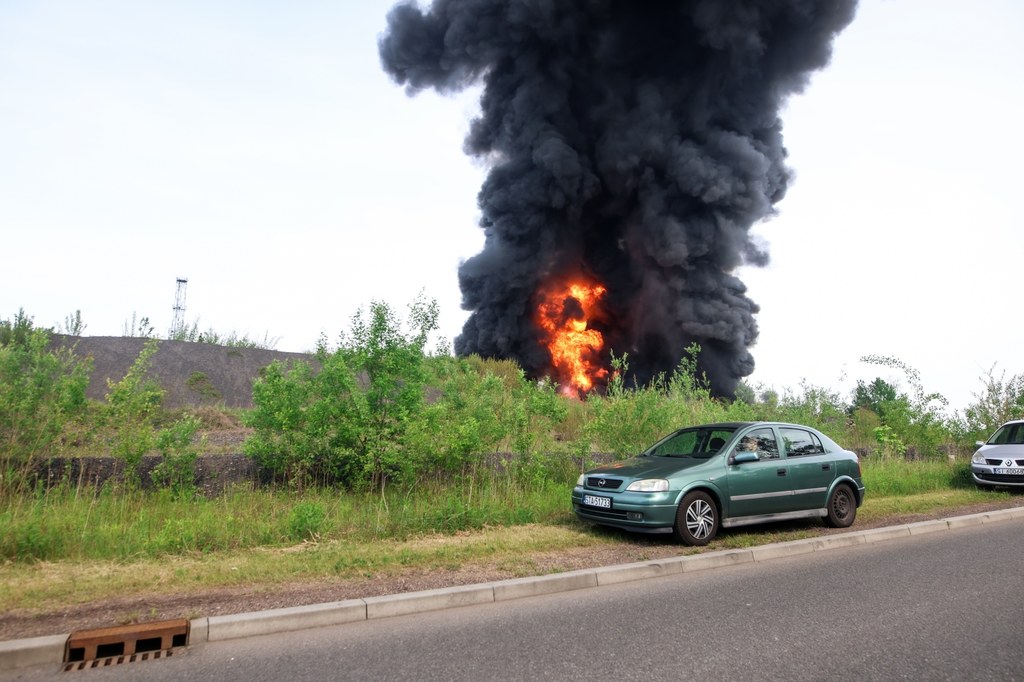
[{"x": 46, "y": 585}]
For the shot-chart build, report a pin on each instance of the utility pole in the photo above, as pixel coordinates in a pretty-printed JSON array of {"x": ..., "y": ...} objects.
[{"x": 178, "y": 324}]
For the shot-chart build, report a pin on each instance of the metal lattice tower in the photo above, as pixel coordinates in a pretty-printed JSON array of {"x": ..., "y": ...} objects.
[{"x": 178, "y": 324}]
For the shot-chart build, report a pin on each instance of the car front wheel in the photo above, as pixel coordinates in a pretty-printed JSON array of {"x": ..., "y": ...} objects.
[
  {"x": 842, "y": 507},
  {"x": 696, "y": 519}
]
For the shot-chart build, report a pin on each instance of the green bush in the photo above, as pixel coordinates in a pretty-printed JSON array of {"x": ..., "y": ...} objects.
[
  {"x": 42, "y": 392},
  {"x": 351, "y": 418},
  {"x": 286, "y": 441},
  {"x": 202, "y": 386},
  {"x": 132, "y": 403},
  {"x": 176, "y": 471}
]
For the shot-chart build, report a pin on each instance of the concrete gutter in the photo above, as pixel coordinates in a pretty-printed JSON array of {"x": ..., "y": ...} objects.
[{"x": 23, "y": 653}]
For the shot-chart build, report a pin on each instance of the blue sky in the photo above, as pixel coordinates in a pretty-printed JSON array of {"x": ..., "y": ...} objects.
[{"x": 260, "y": 151}]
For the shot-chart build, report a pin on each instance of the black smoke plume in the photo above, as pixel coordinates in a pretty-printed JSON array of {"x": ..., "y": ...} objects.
[{"x": 634, "y": 142}]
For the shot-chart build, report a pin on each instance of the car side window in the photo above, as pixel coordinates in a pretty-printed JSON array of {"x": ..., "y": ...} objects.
[
  {"x": 800, "y": 443},
  {"x": 761, "y": 441}
]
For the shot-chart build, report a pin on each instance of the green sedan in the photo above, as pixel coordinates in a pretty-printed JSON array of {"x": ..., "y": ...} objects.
[{"x": 699, "y": 479}]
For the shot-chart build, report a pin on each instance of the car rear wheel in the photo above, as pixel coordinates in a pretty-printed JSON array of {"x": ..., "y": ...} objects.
[
  {"x": 842, "y": 507},
  {"x": 696, "y": 519}
]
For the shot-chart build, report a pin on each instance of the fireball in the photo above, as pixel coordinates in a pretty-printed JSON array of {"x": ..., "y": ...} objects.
[{"x": 564, "y": 315}]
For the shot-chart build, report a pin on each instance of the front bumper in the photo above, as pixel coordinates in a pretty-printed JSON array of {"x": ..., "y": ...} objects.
[
  {"x": 985, "y": 475},
  {"x": 643, "y": 512}
]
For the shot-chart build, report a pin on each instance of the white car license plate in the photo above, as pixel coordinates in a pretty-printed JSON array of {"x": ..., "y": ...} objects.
[
  {"x": 595, "y": 501},
  {"x": 1016, "y": 471}
]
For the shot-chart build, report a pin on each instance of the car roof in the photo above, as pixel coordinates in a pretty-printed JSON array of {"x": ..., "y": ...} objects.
[{"x": 740, "y": 425}]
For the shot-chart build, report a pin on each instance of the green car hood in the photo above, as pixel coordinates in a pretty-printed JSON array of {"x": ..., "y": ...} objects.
[{"x": 648, "y": 467}]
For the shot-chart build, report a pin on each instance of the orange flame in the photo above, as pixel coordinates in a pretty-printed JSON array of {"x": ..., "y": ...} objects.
[{"x": 564, "y": 314}]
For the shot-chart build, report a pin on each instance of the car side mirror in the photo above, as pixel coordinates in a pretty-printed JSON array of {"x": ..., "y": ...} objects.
[
  {"x": 978, "y": 443},
  {"x": 741, "y": 457}
]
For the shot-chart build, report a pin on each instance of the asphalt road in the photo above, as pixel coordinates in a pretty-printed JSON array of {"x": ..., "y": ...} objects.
[{"x": 943, "y": 606}]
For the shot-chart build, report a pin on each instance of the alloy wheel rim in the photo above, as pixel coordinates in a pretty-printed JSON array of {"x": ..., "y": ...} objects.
[{"x": 699, "y": 519}]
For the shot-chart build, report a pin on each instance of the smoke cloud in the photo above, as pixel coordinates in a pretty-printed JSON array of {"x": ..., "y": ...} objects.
[{"x": 631, "y": 142}]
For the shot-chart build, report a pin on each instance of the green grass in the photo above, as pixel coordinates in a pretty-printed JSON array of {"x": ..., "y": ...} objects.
[
  {"x": 71, "y": 523},
  {"x": 72, "y": 545},
  {"x": 49, "y": 584},
  {"x": 888, "y": 477}
]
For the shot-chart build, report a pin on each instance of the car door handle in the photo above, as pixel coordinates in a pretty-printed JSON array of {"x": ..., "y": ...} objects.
[
  {"x": 826, "y": 467},
  {"x": 780, "y": 472}
]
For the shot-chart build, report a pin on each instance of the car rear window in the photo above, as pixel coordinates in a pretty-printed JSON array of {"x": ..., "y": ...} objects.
[
  {"x": 767, "y": 448},
  {"x": 800, "y": 443}
]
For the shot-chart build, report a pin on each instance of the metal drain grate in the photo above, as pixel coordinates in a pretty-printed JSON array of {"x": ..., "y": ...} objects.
[
  {"x": 117, "y": 660},
  {"x": 124, "y": 644}
]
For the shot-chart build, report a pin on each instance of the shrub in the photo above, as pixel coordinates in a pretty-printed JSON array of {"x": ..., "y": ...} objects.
[
  {"x": 42, "y": 390},
  {"x": 351, "y": 418},
  {"x": 1001, "y": 400},
  {"x": 176, "y": 471},
  {"x": 132, "y": 402},
  {"x": 201, "y": 385}
]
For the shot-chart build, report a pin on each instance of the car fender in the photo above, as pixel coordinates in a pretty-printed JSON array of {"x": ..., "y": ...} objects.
[
  {"x": 710, "y": 488},
  {"x": 858, "y": 489}
]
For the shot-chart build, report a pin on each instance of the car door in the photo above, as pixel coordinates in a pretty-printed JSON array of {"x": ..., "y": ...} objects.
[
  {"x": 811, "y": 469},
  {"x": 760, "y": 487}
]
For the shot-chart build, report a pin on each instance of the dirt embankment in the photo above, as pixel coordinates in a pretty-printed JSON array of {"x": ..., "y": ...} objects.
[{"x": 191, "y": 374}]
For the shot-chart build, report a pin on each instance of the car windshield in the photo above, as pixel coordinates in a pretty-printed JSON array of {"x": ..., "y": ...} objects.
[
  {"x": 701, "y": 442},
  {"x": 1008, "y": 434}
]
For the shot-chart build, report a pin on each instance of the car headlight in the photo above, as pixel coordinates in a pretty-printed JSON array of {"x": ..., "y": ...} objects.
[
  {"x": 648, "y": 485},
  {"x": 978, "y": 458},
  {"x": 581, "y": 480}
]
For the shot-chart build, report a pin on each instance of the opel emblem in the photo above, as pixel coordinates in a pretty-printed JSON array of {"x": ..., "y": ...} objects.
[{"x": 600, "y": 483}]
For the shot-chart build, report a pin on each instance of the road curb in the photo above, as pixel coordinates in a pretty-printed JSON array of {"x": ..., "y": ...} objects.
[
  {"x": 238, "y": 625},
  {"x": 35, "y": 651},
  {"x": 25, "y": 653}
]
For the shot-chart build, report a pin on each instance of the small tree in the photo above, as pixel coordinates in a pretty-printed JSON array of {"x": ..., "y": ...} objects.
[
  {"x": 915, "y": 420},
  {"x": 285, "y": 440},
  {"x": 73, "y": 324},
  {"x": 132, "y": 402},
  {"x": 138, "y": 328},
  {"x": 351, "y": 416},
  {"x": 176, "y": 470},
  {"x": 1001, "y": 400},
  {"x": 42, "y": 389},
  {"x": 877, "y": 396},
  {"x": 467, "y": 416}
]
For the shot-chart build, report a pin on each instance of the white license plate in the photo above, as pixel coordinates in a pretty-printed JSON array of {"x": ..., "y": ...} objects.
[
  {"x": 595, "y": 501},
  {"x": 1018, "y": 471}
]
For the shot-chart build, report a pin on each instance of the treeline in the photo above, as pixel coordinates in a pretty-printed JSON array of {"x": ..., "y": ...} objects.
[{"x": 382, "y": 409}]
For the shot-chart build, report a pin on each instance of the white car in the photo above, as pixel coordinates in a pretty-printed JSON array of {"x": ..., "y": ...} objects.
[{"x": 1000, "y": 460}]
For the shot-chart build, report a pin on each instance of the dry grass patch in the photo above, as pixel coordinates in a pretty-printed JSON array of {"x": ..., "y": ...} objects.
[{"x": 49, "y": 584}]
